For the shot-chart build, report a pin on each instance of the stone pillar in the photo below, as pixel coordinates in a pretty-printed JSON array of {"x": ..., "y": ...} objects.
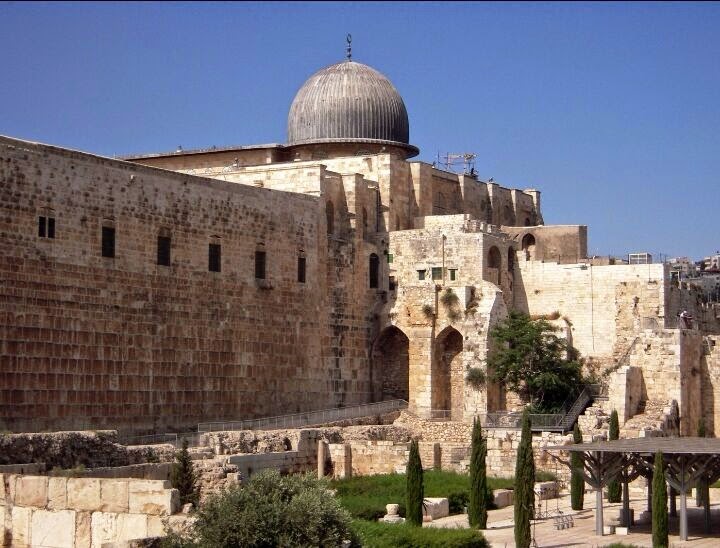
[
  {"x": 321, "y": 452},
  {"x": 420, "y": 357}
]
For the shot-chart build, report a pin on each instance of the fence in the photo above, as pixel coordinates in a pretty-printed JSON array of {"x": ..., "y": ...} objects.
[{"x": 309, "y": 418}]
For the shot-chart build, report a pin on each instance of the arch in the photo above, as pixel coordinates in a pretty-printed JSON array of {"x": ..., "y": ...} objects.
[
  {"x": 494, "y": 262},
  {"x": 448, "y": 379},
  {"x": 374, "y": 271},
  {"x": 391, "y": 365},
  {"x": 511, "y": 260},
  {"x": 528, "y": 246},
  {"x": 330, "y": 214}
]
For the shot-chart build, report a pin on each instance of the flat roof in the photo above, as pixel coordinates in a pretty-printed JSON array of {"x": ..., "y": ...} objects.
[{"x": 701, "y": 446}]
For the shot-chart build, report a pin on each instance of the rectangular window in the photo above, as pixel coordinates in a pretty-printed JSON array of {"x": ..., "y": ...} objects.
[
  {"x": 391, "y": 283},
  {"x": 437, "y": 273},
  {"x": 390, "y": 258},
  {"x": 51, "y": 227},
  {"x": 214, "y": 258},
  {"x": 301, "y": 270},
  {"x": 421, "y": 274},
  {"x": 260, "y": 265},
  {"x": 163, "y": 250},
  {"x": 108, "y": 241},
  {"x": 41, "y": 227},
  {"x": 46, "y": 227},
  {"x": 453, "y": 274}
]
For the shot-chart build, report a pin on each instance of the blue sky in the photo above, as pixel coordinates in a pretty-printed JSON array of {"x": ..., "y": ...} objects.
[{"x": 611, "y": 110}]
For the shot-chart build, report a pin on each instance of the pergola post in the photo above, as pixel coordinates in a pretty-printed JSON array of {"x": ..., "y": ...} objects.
[
  {"x": 649, "y": 499},
  {"x": 706, "y": 508},
  {"x": 599, "y": 529},
  {"x": 683, "y": 501},
  {"x": 625, "y": 504}
]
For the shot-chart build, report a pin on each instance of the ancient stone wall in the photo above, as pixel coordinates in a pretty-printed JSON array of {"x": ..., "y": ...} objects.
[
  {"x": 87, "y": 340},
  {"x": 64, "y": 512},
  {"x": 564, "y": 244},
  {"x": 710, "y": 383}
]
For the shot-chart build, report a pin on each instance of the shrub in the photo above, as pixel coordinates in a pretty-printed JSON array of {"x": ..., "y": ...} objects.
[
  {"x": 386, "y": 535},
  {"x": 183, "y": 477},
  {"x": 476, "y": 377},
  {"x": 271, "y": 510},
  {"x": 415, "y": 493}
]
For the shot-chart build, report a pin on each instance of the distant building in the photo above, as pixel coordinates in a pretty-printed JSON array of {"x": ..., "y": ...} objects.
[{"x": 639, "y": 258}]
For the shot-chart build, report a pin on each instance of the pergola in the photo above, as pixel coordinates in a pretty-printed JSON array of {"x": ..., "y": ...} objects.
[{"x": 687, "y": 461}]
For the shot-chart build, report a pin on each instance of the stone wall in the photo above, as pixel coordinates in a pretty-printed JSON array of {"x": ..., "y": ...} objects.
[
  {"x": 90, "y": 341},
  {"x": 82, "y": 512}
]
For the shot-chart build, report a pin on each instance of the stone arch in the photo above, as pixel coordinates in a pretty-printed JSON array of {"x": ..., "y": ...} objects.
[
  {"x": 391, "y": 365},
  {"x": 374, "y": 271},
  {"x": 528, "y": 246},
  {"x": 330, "y": 214},
  {"x": 494, "y": 263},
  {"x": 448, "y": 375}
]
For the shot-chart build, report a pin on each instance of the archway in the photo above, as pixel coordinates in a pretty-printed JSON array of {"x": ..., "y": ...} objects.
[
  {"x": 528, "y": 246},
  {"x": 391, "y": 365},
  {"x": 448, "y": 379},
  {"x": 493, "y": 265}
]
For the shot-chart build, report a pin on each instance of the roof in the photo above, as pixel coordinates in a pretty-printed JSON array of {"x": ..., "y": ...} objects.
[
  {"x": 181, "y": 152},
  {"x": 348, "y": 102},
  {"x": 679, "y": 446}
]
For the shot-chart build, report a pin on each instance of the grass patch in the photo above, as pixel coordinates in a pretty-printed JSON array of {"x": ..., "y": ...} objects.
[
  {"x": 388, "y": 535},
  {"x": 365, "y": 497}
]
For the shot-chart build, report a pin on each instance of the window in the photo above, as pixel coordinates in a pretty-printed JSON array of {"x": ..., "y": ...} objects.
[
  {"x": 421, "y": 274},
  {"x": 437, "y": 273},
  {"x": 374, "y": 269},
  {"x": 46, "y": 227},
  {"x": 108, "y": 241},
  {"x": 260, "y": 264},
  {"x": 389, "y": 258},
  {"x": 163, "y": 250},
  {"x": 301, "y": 270},
  {"x": 392, "y": 284},
  {"x": 453, "y": 274},
  {"x": 214, "y": 258}
]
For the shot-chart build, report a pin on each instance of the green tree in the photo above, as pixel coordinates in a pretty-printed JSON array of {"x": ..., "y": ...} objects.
[
  {"x": 659, "y": 505},
  {"x": 524, "y": 486},
  {"x": 577, "y": 482},
  {"x": 702, "y": 489},
  {"x": 532, "y": 361},
  {"x": 182, "y": 476},
  {"x": 415, "y": 492},
  {"x": 614, "y": 493},
  {"x": 270, "y": 511},
  {"x": 478, "y": 504}
]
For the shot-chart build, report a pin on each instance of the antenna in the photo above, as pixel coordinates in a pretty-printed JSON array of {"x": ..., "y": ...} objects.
[
  {"x": 456, "y": 162},
  {"x": 349, "y": 47}
]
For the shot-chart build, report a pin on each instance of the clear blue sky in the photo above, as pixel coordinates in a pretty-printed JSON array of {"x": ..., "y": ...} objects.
[{"x": 611, "y": 110}]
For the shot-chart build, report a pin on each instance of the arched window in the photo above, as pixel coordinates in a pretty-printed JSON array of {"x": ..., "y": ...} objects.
[
  {"x": 528, "y": 246},
  {"x": 494, "y": 257},
  {"x": 374, "y": 270},
  {"x": 330, "y": 213}
]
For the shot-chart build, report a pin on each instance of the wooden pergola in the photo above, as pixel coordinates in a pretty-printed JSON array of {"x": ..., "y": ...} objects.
[{"x": 688, "y": 461}]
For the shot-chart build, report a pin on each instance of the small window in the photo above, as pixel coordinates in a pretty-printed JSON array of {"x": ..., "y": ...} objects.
[
  {"x": 421, "y": 274},
  {"x": 374, "y": 269},
  {"x": 163, "y": 250},
  {"x": 453, "y": 274},
  {"x": 437, "y": 273},
  {"x": 391, "y": 283},
  {"x": 46, "y": 227},
  {"x": 214, "y": 258},
  {"x": 108, "y": 241},
  {"x": 260, "y": 265},
  {"x": 301, "y": 270},
  {"x": 390, "y": 258}
]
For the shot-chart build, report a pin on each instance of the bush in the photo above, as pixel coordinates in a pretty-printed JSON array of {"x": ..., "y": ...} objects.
[
  {"x": 387, "y": 535},
  {"x": 271, "y": 510},
  {"x": 476, "y": 377}
]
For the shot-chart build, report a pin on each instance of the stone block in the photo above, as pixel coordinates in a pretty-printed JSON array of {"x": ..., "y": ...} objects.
[
  {"x": 155, "y": 526},
  {"x": 21, "y": 519},
  {"x": 112, "y": 527},
  {"x": 546, "y": 490},
  {"x": 83, "y": 534},
  {"x": 53, "y": 529},
  {"x": 113, "y": 496},
  {"x": 621, "y": 530},
  {"x": 83, "y": 494},
  {"x": 608, "y": 529},
  {"x": 153, "y": 497},
  {"x": 436, "y": 507},
  {"x": 503, "y": 497},
  {"x": 57, "y": 493}
]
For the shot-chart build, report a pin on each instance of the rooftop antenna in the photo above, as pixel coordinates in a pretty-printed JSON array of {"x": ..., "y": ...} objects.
[{"x": 349, "y": 46}]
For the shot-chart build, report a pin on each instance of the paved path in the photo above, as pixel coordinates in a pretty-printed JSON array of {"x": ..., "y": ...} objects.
[{"x": 500, "y": 526}]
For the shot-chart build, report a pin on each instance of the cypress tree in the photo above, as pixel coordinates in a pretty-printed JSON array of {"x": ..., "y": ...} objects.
[
  {"x": 702, "y": 489},
  {"x": 524, "y": 486},
  {"x": 477, "y": 507},
  {"x": 613, "y": 490},
  {"x": 659, "y": 505},
  {"x": 577, "y": 482},
  {"x": 182, "y": 476},
  {"x": 414, "y": 492}
]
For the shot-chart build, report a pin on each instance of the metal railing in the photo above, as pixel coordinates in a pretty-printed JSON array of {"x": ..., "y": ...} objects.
[{"x": 309, "y": 418}]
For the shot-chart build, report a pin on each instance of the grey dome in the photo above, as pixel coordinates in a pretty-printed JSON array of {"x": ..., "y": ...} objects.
[{"x": 349, "y": 102}]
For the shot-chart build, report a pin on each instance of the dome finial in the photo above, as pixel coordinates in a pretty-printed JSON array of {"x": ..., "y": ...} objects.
[{"x": 349, "y": 46}]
